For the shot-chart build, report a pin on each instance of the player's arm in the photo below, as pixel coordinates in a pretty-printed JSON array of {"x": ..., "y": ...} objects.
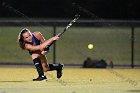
[{"x": 42, "y": 46}]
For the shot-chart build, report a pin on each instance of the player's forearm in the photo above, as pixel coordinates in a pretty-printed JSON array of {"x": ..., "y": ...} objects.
[{"x": 48, "y": 42}]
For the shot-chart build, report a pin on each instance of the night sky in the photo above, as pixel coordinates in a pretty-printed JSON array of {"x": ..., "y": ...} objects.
[{"x": 88, "y": 9}]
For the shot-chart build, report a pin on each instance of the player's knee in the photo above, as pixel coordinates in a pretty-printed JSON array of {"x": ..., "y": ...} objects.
[{"x": 45, "y": 68}]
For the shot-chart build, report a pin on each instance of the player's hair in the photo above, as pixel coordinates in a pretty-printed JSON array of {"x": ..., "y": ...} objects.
[{"x": 21, "y": 41}]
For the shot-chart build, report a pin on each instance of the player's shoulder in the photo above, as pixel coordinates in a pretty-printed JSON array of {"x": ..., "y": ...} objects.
[{"x": 37, "y": 33}]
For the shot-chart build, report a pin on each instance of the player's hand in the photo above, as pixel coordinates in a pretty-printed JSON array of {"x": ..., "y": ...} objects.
[
  {"x": 44, "y": 52},
  {"x": 55, "y": 37}
]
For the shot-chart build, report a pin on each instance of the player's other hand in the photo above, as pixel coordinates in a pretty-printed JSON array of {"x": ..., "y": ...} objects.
[
  {"x": 44, "y": 52},
  {"x": 55, "y": 37}
]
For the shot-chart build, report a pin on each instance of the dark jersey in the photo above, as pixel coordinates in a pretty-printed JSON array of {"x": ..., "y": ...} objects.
[{"x": 36, "y": 41}]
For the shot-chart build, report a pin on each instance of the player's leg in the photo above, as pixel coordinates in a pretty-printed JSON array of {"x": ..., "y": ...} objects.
[
  {"x": 58, "y": 68},
  {"x": 51, "y": 67},
  {"x": 38, "y": 65}
]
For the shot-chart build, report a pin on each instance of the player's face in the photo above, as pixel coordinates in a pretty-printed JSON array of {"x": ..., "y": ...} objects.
[{"x": 27, "y": 37}]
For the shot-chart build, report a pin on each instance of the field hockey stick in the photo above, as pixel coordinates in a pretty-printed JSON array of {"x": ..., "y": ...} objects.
[
  {"x": 69, "y": 25},
  {"x": 65, "y": 29}
]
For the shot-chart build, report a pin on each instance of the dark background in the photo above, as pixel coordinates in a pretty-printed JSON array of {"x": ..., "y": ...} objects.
[{"x": 106, "y": 9}]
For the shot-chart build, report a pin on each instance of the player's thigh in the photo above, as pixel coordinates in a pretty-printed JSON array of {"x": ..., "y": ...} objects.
[{"x": 35, "y": 56}]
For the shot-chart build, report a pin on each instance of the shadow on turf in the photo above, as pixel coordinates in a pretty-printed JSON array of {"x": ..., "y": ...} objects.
[
  {"x": 133, "y": 91},
  {"x": 14, "y": 81}
]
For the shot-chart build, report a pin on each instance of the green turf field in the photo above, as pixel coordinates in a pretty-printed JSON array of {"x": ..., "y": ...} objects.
[
  {"x": 74, "y": 80},
  {"x": 110, "y": 43}
]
